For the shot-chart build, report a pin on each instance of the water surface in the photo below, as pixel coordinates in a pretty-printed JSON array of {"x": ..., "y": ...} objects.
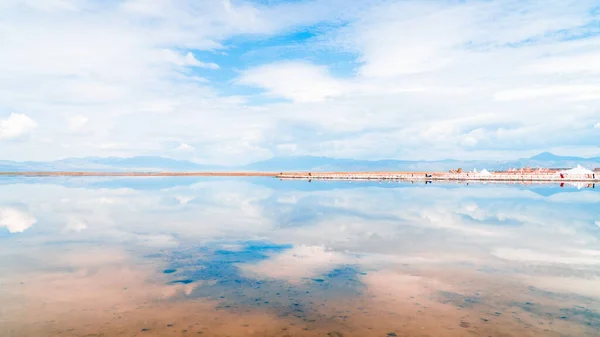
[{"x": 262, "y": 257}]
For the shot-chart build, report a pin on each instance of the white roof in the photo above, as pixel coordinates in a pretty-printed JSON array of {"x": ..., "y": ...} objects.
[{"x": 577, "y": 170}]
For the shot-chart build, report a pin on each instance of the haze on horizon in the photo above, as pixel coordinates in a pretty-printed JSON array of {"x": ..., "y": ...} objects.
[{"x": 232, "y": 82}]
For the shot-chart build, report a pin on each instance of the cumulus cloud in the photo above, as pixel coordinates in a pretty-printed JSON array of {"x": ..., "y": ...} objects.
[
  {"x": 298, "y": 81},
  {"x": 184, "y": 147},
  {"x": 469, "y": 141},
  {"x": 15, "y": 220},
  {"x": 75, "y": 225},
  {"x": 220, "y": 76},
  {"x": 578, "y": 63},
  {"x": 186, "y": 60},
  {"x": 77, "y": 122},
  {"x": 573, "y": 92},
  {"x": 298, "y": 263},
  {"x": 182, "y": 199},
  {"x": 16, "y": 125}
]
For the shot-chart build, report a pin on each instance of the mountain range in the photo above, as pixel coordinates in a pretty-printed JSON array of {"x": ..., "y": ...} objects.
[{"x": 297, "y": 163}]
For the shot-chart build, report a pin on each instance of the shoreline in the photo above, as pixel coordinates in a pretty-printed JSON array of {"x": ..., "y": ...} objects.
[
  {"x": 362, "y": 176},
  {"x": 443, "y": 176},
  {"x": 138, "y": 174}
]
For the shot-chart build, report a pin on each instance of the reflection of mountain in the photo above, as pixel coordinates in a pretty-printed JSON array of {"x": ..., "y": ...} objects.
[
  {"x": 159, "y": 183},
  {"x": 549, "y": 190},
  {"x": 304, "y": 253},
  {"x": 300, "y": 163},
  {"x": 355, "y": 217}
]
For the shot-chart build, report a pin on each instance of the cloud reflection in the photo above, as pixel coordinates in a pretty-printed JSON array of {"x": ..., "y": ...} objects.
[
  {"x": 15, "y": 220},
  {"x": 299, "y": 251},
  {"x": 326, "y": 225}
]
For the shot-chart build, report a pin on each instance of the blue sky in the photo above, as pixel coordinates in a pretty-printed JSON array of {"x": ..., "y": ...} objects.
[{"x": 232, "y": 81}]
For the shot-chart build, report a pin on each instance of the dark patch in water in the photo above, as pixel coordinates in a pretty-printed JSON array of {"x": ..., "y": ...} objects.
[
  {"x": 560, "y": 296},
  {"x": 169, "y": 271},
  {"x": 218, "y": 264},
  {"x": 187, "y": 281},
  {"x": 154, "y": 256},
  {"x": 577, "y": 313},
  {"x": 582, "y": 315},
  {"x": 335, "y": 334},
  {"x": 459, "y": 300},
  {"x": 342, "y": 281}
]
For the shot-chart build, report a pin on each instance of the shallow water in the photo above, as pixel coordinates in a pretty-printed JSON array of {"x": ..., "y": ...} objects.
[{"x": 261, "y": 257}]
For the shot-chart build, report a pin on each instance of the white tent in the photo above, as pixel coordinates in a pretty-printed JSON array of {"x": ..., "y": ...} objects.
[
  {"x": 578, "y": 170},
  {"x": 485, "y": 172}
]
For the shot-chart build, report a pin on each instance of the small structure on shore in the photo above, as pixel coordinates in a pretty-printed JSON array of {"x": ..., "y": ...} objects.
[
  {"x": 485, "y": 172},
  {"x": 579, "y": 170}
]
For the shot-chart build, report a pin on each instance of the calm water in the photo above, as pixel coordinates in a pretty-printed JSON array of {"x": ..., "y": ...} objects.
[{"x": 262, "y": 257}]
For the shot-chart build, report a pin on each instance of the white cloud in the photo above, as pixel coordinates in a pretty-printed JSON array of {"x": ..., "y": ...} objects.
[
  {"x": 597, "y": 125},
  {"x": 400, "y": 39},
  {"x": 298, "y": 81},
  {"x": 297, "y": 263},
  {"x": 15, "y": 220},
  {"x": 417, "y": 75},
  {"x": 16, "y": 125},
  {"x": 48, "y": 5},
  {"x": 77, "y": 122},
  {"x": 184, "y": 147},
  {"x": 186, "y": 60},
  {"x": 75, "y": 225},
  {"x": 587, "y": 63},
  {"x": 182, "y": 199},
  {"x": 573, "y": 92},
  {"x": 287, "y": 148},
  {"x": 469, "y": 141}
]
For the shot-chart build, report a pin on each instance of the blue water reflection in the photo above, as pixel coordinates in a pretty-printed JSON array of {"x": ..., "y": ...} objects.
[{"x": 329, "y": 254}]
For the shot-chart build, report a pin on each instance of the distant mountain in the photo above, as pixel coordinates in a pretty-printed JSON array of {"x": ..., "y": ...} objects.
[
  {"x": 547, "y": 159},
  {"x": 298, "y": 163},
  {"x": 107, "y": 164},
  {"x": 310, "y": 163},
  {"x": 547, "y": 156}
]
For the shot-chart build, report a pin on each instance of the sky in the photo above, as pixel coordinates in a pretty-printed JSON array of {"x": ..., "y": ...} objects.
[{"x": 238, "y": 81}]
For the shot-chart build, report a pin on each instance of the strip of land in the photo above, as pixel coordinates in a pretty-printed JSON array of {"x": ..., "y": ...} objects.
[
  {"x": 406, "y": 176},
  {"x": 446, "y": 176},
  {"x": 141, "y": 174}
]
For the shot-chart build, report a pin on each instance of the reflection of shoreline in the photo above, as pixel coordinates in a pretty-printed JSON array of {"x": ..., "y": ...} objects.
[
  {"x": 402, "y": 176},
  {"x": 574, "y": 183},
  {"x": 254, "y": 256}
]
